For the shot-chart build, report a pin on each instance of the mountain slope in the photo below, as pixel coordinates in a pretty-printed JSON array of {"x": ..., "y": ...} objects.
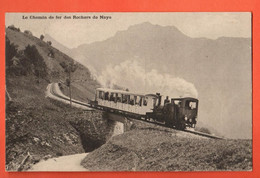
[
  {"x": 81, "y": 77},
  {"x": 147, "y": 147},
  {"x": 56, "y": 44},
  {"x": 39, "y": 128}
]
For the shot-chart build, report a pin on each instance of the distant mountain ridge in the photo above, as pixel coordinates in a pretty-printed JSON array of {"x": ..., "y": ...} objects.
[
  {"x": 56, "y": 44},
  {"x": 220, "y": 69}
]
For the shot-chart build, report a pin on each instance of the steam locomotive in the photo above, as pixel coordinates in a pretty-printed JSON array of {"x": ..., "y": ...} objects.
[{"x": 178, "y": 113}]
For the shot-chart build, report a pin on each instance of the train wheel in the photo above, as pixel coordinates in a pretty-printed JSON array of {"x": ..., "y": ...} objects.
[
  {"x": 181, "y": 126},
  {"x": 168, "y": 124}
]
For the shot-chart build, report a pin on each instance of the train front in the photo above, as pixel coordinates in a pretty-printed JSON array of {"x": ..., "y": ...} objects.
[{"x": 188, "y": 112}]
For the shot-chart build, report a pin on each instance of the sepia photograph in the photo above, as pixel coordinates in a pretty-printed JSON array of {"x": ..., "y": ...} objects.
[{"x": 154, "y": 91}]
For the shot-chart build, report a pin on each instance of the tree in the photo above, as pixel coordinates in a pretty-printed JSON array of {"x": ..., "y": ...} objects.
[
  {"x": 34, "y": 58},
  {"x": 12, "y": 27},
  {"x": 41, "y": 37},
  {"x": 69, "y": 68},
  {"x": 10, "y": 52},
  {"x": 51, "y": 53},
  {"x": 49, "y": 43},
  {"x": 28, "y": 32}
]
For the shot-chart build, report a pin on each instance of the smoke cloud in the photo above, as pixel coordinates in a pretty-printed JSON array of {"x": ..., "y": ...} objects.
[{"x": 131, "y": 74}]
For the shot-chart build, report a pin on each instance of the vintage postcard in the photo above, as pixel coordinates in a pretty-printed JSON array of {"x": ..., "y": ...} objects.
[{"x": 128, "y": 91}]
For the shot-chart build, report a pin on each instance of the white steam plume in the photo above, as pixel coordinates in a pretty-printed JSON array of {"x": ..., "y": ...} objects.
[
  {"x": 132, "y": 75},
  {"x": 80, "y": 59}
]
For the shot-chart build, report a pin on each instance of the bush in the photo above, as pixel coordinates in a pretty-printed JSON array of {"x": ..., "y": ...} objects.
[
  {"x": 24, "y": 62},
  {"x": 49, "y": 43},
  {"x": 39, "y": 67},
  {"x": 41, "y": 37},
  {"x": 12, "y": 27},
  {"x": 51, "y": 53},
  {"x": 27, "y": 32}
]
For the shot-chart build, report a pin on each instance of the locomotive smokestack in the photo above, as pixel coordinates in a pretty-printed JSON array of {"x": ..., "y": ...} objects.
[{"x": 159, "y": 98}]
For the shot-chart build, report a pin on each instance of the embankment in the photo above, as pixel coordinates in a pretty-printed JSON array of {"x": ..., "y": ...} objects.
[{"x": 146, "y": 147}]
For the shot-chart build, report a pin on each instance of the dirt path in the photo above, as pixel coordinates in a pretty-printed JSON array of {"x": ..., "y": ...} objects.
[
  {"x": 63, "y": 163},
  {"x": 54, "y": 87}
]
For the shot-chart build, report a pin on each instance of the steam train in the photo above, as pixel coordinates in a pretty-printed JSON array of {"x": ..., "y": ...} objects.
[{"x": 178, "y": 113}]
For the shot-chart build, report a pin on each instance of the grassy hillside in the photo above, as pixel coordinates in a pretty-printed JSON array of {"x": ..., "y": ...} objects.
[
  {"x": 153, "y": 148},
  {"x": 37, "y": 127},
  {"x": 45, "y": 128},
  {"x": 81, "y": 78}
]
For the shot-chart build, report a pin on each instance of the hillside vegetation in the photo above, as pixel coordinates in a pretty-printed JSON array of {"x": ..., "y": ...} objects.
[
  {"x": 52, "y": 58},
  {"x": 146, "y": 147},
  {"x": 37, "y": 127}
]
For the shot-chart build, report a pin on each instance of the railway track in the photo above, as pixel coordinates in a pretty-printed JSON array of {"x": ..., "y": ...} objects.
[
  {"x": 189, "y": 131},
  {"x": 54, "y": 92},
  {"x": 204, "y": 134}
]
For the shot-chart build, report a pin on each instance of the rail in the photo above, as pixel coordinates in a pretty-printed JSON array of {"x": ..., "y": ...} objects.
[{"x": 55, "y": 93}]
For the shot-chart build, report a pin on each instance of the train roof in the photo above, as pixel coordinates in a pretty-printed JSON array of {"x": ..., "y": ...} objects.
[
  {"x": 138, "y": 94},
  {"x": 185, "y": 98},
  {"x": 125, "y": 92}
]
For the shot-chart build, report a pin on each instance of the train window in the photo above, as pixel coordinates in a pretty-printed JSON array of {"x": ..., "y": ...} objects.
[
  {"x": 115, "y": 97},
  {"x": 124, "y": 98},
  {"x": 127, "y": 99},
  {"x": 177, "y": 102},
  {"x": 112, "y": 98},
  {"x": 106, "y": 95},
  {"x": 138, "y": 100},
  {"x": 135, "y": 100},
  {"x": 145, "y": 101},
  {"x": 191, "y": 104},
  {"x": 119, "y": 98},
  {"x": 100, "y": 95},
  {"x": 132, "y": 100},
  {"x": 154, "y": 102}
]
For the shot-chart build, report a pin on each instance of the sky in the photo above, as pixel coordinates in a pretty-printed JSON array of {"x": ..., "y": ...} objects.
[{"x": 74, "y": 32}]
